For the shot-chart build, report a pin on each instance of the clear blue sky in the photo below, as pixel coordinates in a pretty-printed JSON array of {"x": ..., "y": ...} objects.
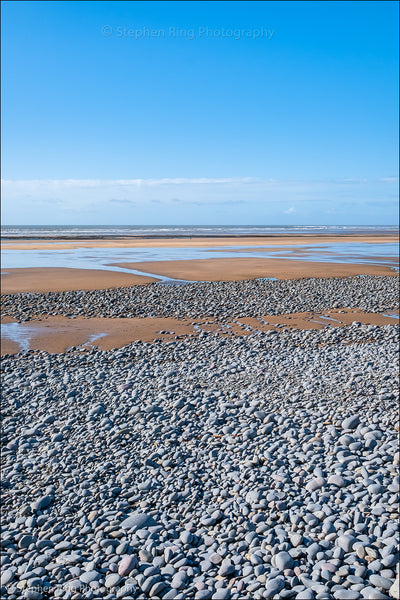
[{"x": 199, "y": 112}]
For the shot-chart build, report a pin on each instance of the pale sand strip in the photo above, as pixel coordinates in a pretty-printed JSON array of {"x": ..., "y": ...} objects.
[
  {"x": 198, "y": 242},
  {"x": 56, "y": 334},
  {"x": 55, "y": 279},
  {"x": 237, "y": 269}
]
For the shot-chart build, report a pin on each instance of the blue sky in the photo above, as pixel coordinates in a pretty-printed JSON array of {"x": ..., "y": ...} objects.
[{"x": 199, "y": 112}]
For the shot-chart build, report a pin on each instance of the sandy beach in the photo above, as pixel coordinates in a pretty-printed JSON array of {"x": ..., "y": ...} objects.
[
  {"x": 199, "y": 301},
  {"x": 31, "y": 280},
  {"x": 238, "y": 269},
  {"x": 285, "y": 262},
  {"x": 57, "y": 334},
  {"x": 16, "y": 281},
  {"x": 198, "y": 242},
  {"x": 227, "y": 377}
]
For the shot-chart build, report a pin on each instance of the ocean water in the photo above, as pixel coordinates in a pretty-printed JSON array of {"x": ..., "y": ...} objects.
[
  {"x": 101, "y": 231},
  {"x": 108, "y": 258}
]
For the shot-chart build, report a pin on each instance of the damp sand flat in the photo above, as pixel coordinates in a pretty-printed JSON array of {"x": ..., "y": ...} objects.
[
  {"x": 57, "y": 334},
  {"x": 200, "y": 242},
  {"x": 58, "y": 279},
  {"x": 54, "y": 279},
  {"x": 243, "y": 268},
  {"x": 32, "y": 266}
]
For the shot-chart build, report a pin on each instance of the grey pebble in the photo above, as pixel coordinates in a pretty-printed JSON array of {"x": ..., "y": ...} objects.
[{"x": 211, "y": 466}]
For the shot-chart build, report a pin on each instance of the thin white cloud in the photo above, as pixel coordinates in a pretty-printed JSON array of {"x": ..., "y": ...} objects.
[
  {"x": 187, "y": 189},
  {"x": 104, "y": 183},
  {"x": 135, "y": 198},
  {"x": 89, "y": 183},
  {"x": 182, "y": 181}
]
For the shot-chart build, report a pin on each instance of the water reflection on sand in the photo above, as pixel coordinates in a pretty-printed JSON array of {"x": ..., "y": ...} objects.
[{"x": 101, "y": 258}]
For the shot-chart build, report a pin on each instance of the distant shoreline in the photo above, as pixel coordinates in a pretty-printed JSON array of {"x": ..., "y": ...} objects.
[{"x": 358, "y": 233}]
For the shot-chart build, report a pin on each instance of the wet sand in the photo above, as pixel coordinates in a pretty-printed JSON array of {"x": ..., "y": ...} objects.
[
  {"x": 39, "y": 279},
  {"x": 14, "y": 281},
  {"x": 307, "y": 251},
  {"x": 198, "y": 242},
  {"x": 31, "y": 280},
  {"x": 238, "y": 269},
  {"x": 56, "y": 334}
]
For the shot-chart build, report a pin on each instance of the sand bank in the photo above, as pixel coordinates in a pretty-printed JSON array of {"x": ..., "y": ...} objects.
[
  {"x": 236, "y": 269},
  {"x": 14, "y": 281},
  {"x": 199, "y": 242},
  {"x": 321, "y": 252},
  {"x": 56, "y": 334}
]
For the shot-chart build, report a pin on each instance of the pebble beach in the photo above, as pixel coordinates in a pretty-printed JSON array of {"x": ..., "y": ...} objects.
[
  {"x": 199, "y": 327},
  {"x": 264, "y": 466}
]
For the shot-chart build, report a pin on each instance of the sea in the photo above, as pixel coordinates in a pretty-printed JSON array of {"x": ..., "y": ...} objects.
[{"x": 166, "y": 231}]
